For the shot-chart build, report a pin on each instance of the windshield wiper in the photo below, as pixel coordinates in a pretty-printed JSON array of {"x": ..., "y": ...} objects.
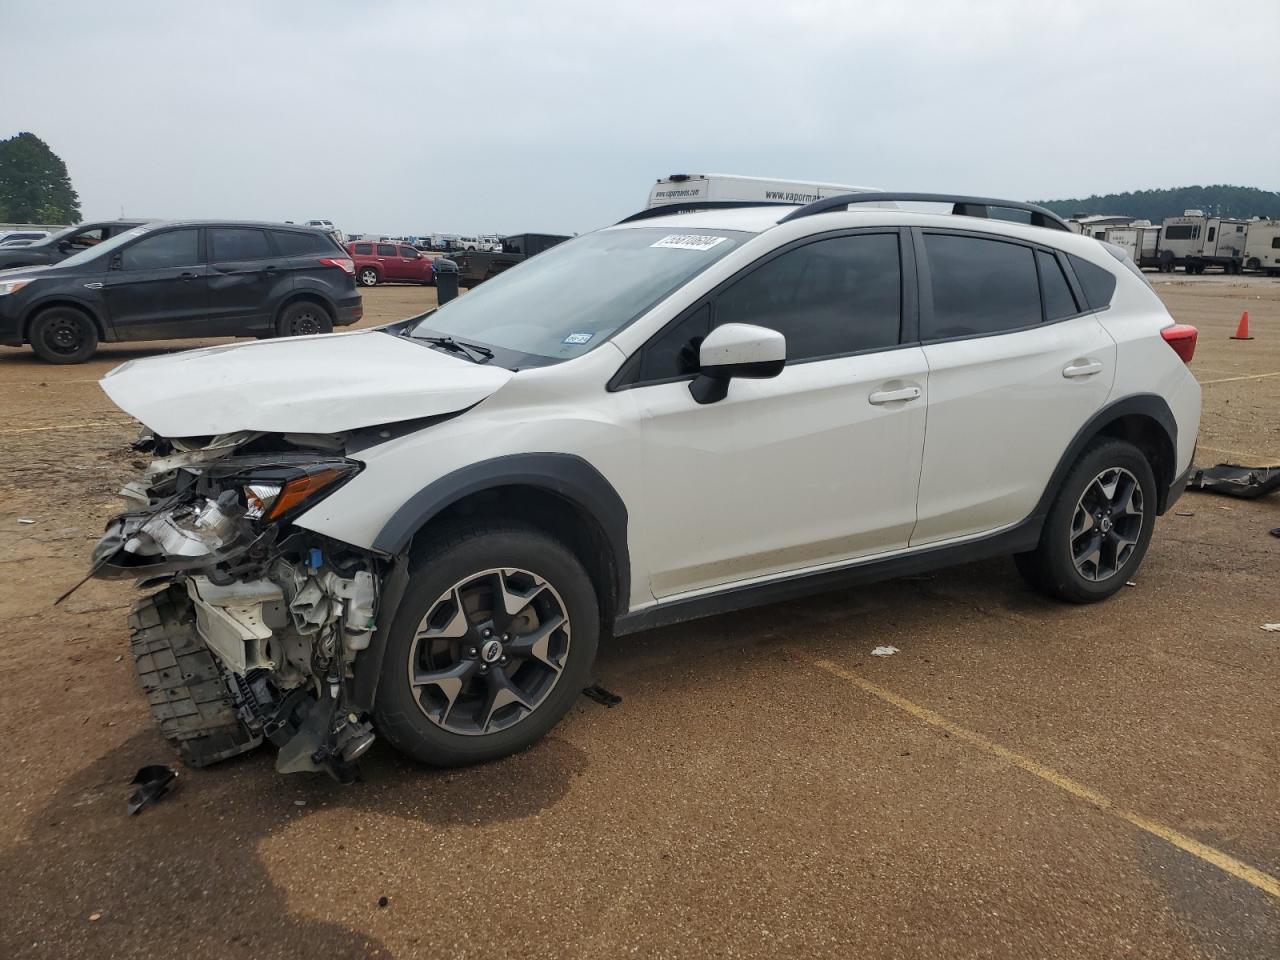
[{"x": 472, "y": 351}]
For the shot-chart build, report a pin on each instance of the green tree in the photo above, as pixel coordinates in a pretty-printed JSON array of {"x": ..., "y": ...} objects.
[
  {"x": 1220, "y": 200},
  {"x": 34, "y": 185}
]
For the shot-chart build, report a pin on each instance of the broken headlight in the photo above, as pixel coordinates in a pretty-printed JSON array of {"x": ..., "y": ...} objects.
[{"x": 277, "y": 492}]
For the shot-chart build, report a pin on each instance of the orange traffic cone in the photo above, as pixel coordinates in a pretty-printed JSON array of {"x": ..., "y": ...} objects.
[{"x": 1242, "y": 331}]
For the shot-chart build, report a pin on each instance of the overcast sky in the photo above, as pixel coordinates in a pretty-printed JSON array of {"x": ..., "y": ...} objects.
[{"x": 417, "y": 116}]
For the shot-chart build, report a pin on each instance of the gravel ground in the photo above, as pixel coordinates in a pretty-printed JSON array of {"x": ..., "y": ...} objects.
[{"x": 1023, "y": 779}]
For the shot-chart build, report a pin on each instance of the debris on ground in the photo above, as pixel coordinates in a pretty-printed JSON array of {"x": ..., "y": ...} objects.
[
  {"x": 1271, "y": 627},
  {"x": 153, "y": 783},
  {"x": 1235, "y": 480},
  {"x": 25, "y": 520},
  {"x": 600, "y": 695},
  {"x": 884, "y": 651},
  {"x": 1276, "y": 532},
  {"x": 95, "y": 917},
  {"x": 1183, "y": 513},
  {"x": 383, "y": 901},
  {"x": 1131, "y": 583}
]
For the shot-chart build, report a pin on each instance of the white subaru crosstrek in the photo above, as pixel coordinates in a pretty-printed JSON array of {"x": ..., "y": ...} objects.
[{"x": 423, "y": 531}]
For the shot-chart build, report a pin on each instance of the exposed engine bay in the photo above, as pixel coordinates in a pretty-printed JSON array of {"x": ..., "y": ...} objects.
[{"x": 259, "y": 623}]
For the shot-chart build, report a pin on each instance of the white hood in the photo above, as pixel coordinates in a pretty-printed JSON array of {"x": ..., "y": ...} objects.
[{"x": 321, "y": 384}]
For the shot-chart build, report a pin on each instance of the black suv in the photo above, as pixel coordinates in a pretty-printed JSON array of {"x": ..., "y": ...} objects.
[
  {"x": 171, "y": 279},
  {"x": 64, "y": 243}
]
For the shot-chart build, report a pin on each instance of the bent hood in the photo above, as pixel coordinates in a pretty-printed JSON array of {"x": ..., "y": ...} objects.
[{"x": 321, "y": 384}]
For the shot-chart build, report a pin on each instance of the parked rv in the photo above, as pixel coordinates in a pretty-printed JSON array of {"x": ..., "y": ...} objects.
[
  {"x": 682, "y": 188},
  {"x": 1195, "y": 241},
  {"x": 1139, "y": 239},
  {"x": 1262, "y": 246}
]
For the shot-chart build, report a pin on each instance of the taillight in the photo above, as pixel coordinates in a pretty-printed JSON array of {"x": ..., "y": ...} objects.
[
  {"x": 1182, "y": 338},
  {"x": 345, "y": 264}
]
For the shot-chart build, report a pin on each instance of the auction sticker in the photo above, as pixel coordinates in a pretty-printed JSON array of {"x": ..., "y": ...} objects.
[
  {"x": 688, "y": 241},
  {"x": 578, "y": 338}
]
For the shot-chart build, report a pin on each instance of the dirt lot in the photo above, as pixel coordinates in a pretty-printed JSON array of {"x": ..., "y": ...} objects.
[{"x": 1022, "y": 780}]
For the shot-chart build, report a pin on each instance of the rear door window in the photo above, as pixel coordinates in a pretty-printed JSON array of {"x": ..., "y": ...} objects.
[
  {"x": 1059, "y": 302},
  {"x": 386, "y": 250},
  {"x": 364, "y": 249},
  {"x": 237, "y": 243},
  {"x": 173, "y": 248},
  {"x": 979, "y": 287}
]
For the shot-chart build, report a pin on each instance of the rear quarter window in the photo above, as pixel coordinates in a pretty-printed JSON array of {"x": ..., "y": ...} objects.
[
  {"x": 292, "y": 244},
  {"x": 363, "y": 249},
  {"x": 1099, "y": 284}
]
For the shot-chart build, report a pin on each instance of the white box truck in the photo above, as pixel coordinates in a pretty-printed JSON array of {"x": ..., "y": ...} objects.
[
  {"x": 1262, "y": 246},
  {"x": 1195, "y": 241},
  {"x": 729, "y": 188}
]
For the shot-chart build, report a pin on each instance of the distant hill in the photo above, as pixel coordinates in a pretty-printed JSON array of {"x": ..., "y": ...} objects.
[{"x": 1154, "y": 205}]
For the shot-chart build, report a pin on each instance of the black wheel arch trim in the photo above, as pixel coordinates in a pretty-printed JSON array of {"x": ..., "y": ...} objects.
[
  {"x": 565, "y": 475},
  {"x": 568, "y": 476},
  {"x": 1148, "y": 405}
]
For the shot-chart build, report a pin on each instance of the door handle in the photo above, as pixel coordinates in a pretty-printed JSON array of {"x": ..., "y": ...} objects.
[
  {"x": 188, "y": 276},
  {"x": 1082, "y": 368},
  {"x": 889, "y": 396}
]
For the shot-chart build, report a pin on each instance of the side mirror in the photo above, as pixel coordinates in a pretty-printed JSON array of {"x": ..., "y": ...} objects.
[
  {"x": 736, "y": 350},
  {"x": 64, "y": 246}
]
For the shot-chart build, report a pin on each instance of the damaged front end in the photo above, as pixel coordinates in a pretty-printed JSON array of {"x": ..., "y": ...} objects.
[{"x": 257, "y": 630}]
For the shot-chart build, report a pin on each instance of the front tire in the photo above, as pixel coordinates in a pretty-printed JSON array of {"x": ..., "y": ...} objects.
[
  {"x": 1099, "y": 527},
  {"x": 493, "y": 642},
  {"x": 63, "y": 335}
]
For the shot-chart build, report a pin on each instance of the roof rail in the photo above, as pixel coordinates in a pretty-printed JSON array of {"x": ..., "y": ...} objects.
[
  {"x": 694, "y": 205},
  {"x": 960, "y": 206}
]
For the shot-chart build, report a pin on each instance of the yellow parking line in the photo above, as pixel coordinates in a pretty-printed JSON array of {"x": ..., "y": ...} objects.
[
  {"x": 1228, "y": 864},
  {"x": 70, "y": 426},
  {"x": 1252, "y": 376}
]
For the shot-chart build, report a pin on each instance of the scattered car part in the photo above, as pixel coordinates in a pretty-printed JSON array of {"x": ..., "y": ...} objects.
[
  {"x": 600, "y": 695},
  {"x": 1236, "y": 481},
  {"x": 153, "y": 782}
]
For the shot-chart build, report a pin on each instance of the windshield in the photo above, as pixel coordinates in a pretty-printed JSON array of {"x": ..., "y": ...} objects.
[
  {"x": 106, "y": 246},
  {"x": 567, "y": 300}
]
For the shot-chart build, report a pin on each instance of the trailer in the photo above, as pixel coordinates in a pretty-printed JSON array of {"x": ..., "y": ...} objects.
[
  {"x": 1262, "y": 247},
  {"x": 1139, "y": 239},
  {"x": 1195, "y": 241}
]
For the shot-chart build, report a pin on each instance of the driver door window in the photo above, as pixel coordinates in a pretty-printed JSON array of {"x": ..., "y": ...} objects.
[{"x": 176, "y": 248}]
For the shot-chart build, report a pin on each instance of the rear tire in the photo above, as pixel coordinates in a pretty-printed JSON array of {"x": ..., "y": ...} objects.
[
  {"x": 368, "y": 277},
  {"x": 63, "y": 335},
  {"x": 304, "y": 319},
  {"x": 468, "y": 713},
  {"x": 1098, "y": 528}
]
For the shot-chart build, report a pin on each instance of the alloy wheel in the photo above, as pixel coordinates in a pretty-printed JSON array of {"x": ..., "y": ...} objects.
[
  {"x": 489, "y": 651},
  {"x": 1107, "y": 524}
]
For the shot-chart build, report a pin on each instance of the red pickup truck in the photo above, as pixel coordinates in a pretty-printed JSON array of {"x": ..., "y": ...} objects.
[{"x": 389, "y": 263}]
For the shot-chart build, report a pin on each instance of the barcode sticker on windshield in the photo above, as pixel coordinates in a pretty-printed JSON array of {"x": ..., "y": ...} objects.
[{"x": 688, "y": 241}]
